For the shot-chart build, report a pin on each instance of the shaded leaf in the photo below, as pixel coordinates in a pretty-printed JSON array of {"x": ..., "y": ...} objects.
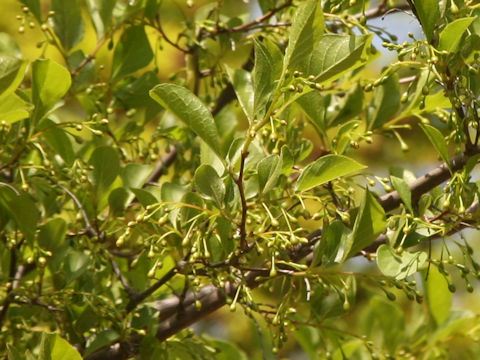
[
  {"x": 325, "y": 251},
  {"x": 132, "y": 52},
  {"x": 52, "y": 234},
  {"x": 75, "y": 265},
  {"x": 385, "y": 103},
  {"x": 403, "y": 190},
  {"x": 428, "y": 12},
  {"x": 314, "y": 104},
  {"x": 106, "y": 166},
  {"x": 369, "y": 223},
  {"x": 100, "y": 340},
  {"x": 58, "y": 139},
  {"x": 101, "y": 15},
  {"x": 265, "y": 71},
  {"x": 135, "y": 175},
  {"x": 325, "y": 169},
  {"x": 67, "y": 22},
  {"x": 437, "y": 140},
  {"x": 209, "y": 184},
  {"x": 243, "y": 87},
  {"x": 269, "y": 170},
  {"x": 34, "y": 6},
  {"x": 21, "y": 208},
  {"x": 12, "y": 71}
]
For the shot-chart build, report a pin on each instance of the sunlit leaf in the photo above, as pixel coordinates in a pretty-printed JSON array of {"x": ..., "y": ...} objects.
[
  {"x": 439, "y": 298},
  {"x": 325, "y": 169},
  {"x": 428, "y": 13},
  {"x": 190, "y": 110}
]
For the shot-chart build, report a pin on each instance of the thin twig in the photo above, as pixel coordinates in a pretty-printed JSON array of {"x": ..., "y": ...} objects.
[
  {"x": 123, "y": 280},
  {"x": 251, "y": 24},
  {"x": 90, "y": 231},
  {"x": 139, "y": 297},
  {"x": 89, "y": 57}
]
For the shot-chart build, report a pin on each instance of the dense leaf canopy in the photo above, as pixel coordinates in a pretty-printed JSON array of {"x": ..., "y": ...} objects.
[{"x": 163, "y": 161}]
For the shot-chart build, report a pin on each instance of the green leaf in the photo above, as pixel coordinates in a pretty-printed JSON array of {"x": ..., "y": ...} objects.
[
  {"x": 21, "y": 208},
  {"x": 265, "y": 73},
  {"x": 287, "y": 160},
  {"x": 75, "y": 265},
  {"x": 187, "y": 213},
  {"x": 269, "y": 170},
  {"x": 306, "y": 29},
  {"x": 34, "y": 6},
  {"x": 12, "y": 71},
  {"x": 106, "y": 166},
  {"x": 428, "y": 12},
  {"x": 243, "y": 87},
  {"x": 346, "y": 107},
  {"x": 100, "y": 340},
  {"x": 52, "y": 234},
  {"x": 456, "y": 323},
  {"x": 403, "y": 191},
  {"x": 132, "y": 52},
  {"x": 334, "y": 55},
  {"x": 210, "y": 184},
  {"x": 58, "y": 139},
  {"x": 325, "y": 251},
  {"x": 385, "y": 103},
  {"x": 451, "y": 35},
  {"x": 400, "y": 265},
  {"x": 309, "y": 339},
  {"x": 190, "y": 110},
  {"x": 369, "y": 223},
  {"x": 226, "y": 350},
  {"x": 63, "y": 350},
  {"x": 325, "y": 169},
  {"x": 68, "y": 23},
  {"x": 438, "y": 141},
  {"x": 118, "y": 200},
  {"x": 135, "y": 175},
  {"x": 439, "y": 298},
  {"x": 50, "y": 82},
  {"x": 391, "y": 320},
  {"x": 315, "y": 105},
  {"x": 8, "y": 46},
  {"x": 101, "y": 15},
  {"x": 145, "y": 197},
  {"x": 13, "y": 109}
]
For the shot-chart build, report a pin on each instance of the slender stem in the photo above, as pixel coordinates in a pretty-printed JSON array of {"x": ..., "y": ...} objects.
[{"x": 89, "y": 58}]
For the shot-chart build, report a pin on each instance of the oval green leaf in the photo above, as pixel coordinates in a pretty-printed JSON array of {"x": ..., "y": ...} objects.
[
  {"x": 325, "y": 169},
  {"x": 190, "y": 110},
  {"x": 50, "y": 82},
  {"x": 269, "y": 170},
  {"x": 209, "y": 184}
]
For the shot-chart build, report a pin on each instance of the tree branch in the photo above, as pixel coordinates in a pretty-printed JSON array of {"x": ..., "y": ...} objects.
[{"x": 177, "y": 314}]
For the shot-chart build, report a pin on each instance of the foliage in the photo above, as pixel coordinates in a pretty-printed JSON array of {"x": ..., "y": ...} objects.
[{"x": 134, "y": 202}]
